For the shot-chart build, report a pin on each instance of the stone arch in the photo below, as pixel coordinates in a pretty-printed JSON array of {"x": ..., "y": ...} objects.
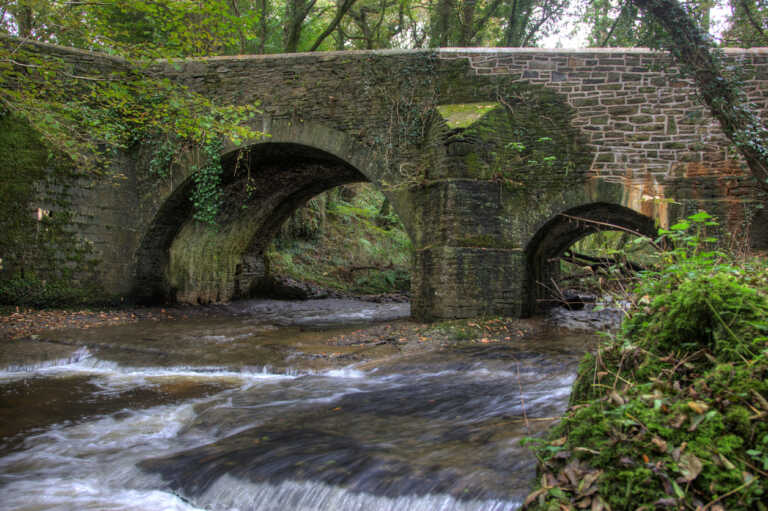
[
  {"x": 553, "y": 238},
  {"x": 295, "y": 162}
]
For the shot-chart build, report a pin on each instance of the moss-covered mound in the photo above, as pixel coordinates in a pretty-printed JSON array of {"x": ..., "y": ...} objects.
[{"x": 673, "y": 412}]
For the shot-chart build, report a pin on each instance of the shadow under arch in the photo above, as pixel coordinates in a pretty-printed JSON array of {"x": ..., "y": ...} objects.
[
  {"x": 543, "y": 251},
  {"x": 264, "y": 182}
]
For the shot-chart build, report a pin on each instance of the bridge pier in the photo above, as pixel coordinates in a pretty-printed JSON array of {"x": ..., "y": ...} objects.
[
  {"x": 466, "y": 282},
  {"x": 468, "y": 260}
]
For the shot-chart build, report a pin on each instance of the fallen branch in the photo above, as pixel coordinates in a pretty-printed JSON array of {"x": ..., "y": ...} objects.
[{"x": 595, "y": 263}]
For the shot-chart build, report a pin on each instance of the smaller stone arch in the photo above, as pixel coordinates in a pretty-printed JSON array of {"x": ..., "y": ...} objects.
[{"x": 553, "y": 238}]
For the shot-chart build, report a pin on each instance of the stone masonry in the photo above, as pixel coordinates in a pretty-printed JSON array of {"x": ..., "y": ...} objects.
[{"x": 495, "y": 159}]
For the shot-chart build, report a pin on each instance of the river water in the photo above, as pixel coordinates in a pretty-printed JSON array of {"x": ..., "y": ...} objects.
[{"x": 253, "y": 409}]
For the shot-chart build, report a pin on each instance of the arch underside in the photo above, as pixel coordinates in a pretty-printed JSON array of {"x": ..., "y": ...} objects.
[
  {"x": 563, "y": 230},
  {"x": 262, "y": 186}
]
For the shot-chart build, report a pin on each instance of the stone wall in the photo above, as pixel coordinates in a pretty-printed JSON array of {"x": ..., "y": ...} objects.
[
  {"x": 644, "y": 122},
  {"x": 91, "y": 252},
  {"x": 613, "y": 134}
]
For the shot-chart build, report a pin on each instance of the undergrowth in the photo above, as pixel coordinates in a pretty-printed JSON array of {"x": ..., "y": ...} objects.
[
  {"x": 672, "y": 412},
  {"x": 347, "y": 239}
]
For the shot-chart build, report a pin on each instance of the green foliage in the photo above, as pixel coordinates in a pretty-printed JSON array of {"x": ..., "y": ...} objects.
[
  {"x": 206, "y": 197},
  {"x": 617, "y": 24},
  {"x": 615, "y": 259},
  {"x": 149, "y": 28},
  {"x": 699, "y": 295},
  {"x": 347, "y": 239},
  {"x": 90, "y": 115},
  {"x": 672, "y": 411},
  {"x": 748, "y": 24}
]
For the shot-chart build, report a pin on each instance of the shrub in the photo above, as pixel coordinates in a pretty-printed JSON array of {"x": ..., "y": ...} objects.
[{"x": 672, "y": 412}]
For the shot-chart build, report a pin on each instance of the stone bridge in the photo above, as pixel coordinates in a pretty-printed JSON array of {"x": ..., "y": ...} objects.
[{"x": 496, "y": 160}]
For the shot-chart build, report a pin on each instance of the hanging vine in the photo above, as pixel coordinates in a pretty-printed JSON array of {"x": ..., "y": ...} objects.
[{"x": 410, "y": 95}]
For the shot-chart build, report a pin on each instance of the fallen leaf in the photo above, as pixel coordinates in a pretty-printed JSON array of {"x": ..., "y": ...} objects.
[
  {"x": 570, "y": 473},
  {"x": 660, "y": 444},
  {"x": 584, "y": 485},
  {"x": 585, "y": 449},
  {"x": 698, "y": 406},
  {"x": 760, "y": 399},
  {"x": 616, "y": 398},
  {"x": 626, "y": 461},
  {"x": 726, "y": 462},
  {"x": 677, "y": 421},
  {"x": 533, "y": 496},
  {"x": 559, "y": 442},
  {"x": 690, "y": 466}
]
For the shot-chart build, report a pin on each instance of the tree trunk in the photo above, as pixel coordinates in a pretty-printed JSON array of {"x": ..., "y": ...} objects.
[
  {"x": 729, "y": 105},
  {"x": 341, "y": 9},
  {"x": 511, "y": 33},
  {"x": 263, "y": 26},
  {"x": 441, "y": 26},
  {"x": 25, "y": 20},
  {"x": 467, "y": 22},
  {"x": 296, "y": 11}
]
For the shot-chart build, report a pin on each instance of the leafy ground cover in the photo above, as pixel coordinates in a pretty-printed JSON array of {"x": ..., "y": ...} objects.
[
  {"x": 347, "y": 239},
  {"x": 672, "y": 412}
]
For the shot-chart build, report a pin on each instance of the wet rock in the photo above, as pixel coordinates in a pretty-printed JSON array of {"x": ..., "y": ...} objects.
[
  {"x": 274, "y": 456},
  {"x": 386, "y": 298},
  {"x": 28, "y": 354},
  {"x": 286, "y": 288},
  {"x": 573, "y": 300}
]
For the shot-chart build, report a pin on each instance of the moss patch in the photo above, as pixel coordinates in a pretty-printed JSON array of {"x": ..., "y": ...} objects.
[
  {"x": 463, "y": 115},
  {"x": 42, "y": 263},
  {"x": 204, "y": 260}
]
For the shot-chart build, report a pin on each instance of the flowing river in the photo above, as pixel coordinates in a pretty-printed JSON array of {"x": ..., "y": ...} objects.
[{"x": 253, "y": 408}]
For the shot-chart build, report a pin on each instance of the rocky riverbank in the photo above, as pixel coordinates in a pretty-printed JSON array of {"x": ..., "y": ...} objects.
[{"x": 366, "y": 333}]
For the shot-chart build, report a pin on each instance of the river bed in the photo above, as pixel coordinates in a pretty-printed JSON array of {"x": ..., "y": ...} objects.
[{"x": 261, "y": 407}]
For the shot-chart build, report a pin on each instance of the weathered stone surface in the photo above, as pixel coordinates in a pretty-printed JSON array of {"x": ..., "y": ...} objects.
[{"x": 573, "y": 140}]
